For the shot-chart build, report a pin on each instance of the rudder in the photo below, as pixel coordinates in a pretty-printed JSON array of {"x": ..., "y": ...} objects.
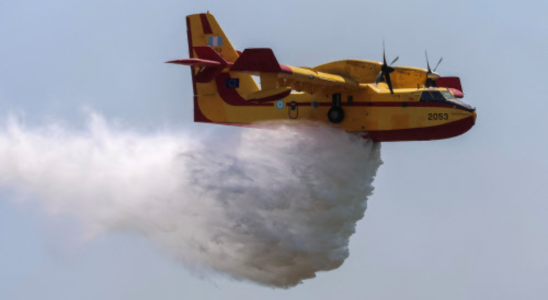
[{"x": 203, "y": 30}]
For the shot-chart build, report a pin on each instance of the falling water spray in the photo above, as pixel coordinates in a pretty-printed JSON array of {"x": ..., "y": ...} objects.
[{"x": 271, "y": 206}]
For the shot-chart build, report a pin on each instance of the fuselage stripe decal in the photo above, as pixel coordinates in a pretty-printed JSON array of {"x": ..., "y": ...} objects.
[{"x": 231, "y": 96}]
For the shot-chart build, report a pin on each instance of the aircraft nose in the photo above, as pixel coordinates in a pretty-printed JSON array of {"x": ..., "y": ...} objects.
[{"x": 474, "y": 114}]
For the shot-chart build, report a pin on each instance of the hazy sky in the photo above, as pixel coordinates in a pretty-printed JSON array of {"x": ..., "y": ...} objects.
[{"x": 456, "y": 219}]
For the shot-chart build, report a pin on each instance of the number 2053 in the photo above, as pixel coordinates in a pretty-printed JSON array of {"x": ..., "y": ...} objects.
[{"x": 438, "y": 116}]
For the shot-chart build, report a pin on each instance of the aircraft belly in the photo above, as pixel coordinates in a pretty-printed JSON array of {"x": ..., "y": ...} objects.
[
  {"x": 381, "y": 121},
  {"x": 438, "y": 132}
]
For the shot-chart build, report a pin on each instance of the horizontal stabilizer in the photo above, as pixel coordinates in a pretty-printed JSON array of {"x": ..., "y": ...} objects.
[
  {"x": 206, "y": 52},
  {"x": 195, "y": 62},
  {"x": 259, "y": 60},
  {"x": 452, "y": 83},
  {"x": 211, "y": 64},
  {"x": 269, "y": 95}
]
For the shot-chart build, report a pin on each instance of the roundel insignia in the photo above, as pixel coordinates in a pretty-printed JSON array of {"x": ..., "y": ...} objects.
[{"x": 280, "y": 104}]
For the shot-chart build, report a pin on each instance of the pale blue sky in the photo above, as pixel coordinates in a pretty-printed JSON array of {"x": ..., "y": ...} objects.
[{"x": 456, "y": 219}]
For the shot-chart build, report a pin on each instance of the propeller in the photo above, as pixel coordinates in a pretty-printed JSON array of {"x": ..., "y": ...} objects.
[
  {"x": 386, "y": 69},
  {"x": 431, "y": 76}
]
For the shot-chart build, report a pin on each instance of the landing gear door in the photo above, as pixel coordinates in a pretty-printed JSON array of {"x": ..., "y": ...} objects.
[{"x": 293, "y": 110}]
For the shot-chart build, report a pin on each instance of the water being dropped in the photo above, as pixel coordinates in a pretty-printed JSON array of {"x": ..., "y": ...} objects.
[{"x": 271, "y": 206}]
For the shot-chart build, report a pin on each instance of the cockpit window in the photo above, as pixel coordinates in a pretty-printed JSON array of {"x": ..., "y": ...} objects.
[
  {"x": 448, "y": 95},
  {"x": 426, "y": 96},
  {"x": 437, "y": 96},
  {"x": 444, "y": 96},
  {"x": 434, "y": 96}
]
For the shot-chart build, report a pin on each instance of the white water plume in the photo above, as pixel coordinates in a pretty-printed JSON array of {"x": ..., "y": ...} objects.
[{"x": 271, "y": 206}]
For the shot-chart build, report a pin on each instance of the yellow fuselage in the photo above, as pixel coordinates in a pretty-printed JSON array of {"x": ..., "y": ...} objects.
[{"x": 344, "y": 85}]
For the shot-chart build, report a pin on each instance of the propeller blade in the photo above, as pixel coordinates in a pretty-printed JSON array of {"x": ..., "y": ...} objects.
[
  {"x": 395, "y": 60},
  {"x": 379, "y": 78},
  {"x": 383, "y": 55},
  {"x": 389, "y": 82},
  {"x": 427, "y": 63},
  {"x": 386, "y": 70},
  {"x": 439, "y": 62}
]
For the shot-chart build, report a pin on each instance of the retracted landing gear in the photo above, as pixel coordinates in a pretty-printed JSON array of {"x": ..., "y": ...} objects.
[{"x": 335, "y": 113}]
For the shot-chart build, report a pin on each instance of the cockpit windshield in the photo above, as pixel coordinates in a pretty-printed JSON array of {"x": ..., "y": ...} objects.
[
  {"x": 444, "y": 96},
  {"x": 447, "y": 95},
  {"x": 432, "y": 96}
]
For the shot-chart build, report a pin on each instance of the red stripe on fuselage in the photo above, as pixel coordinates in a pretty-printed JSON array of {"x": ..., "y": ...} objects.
[
  {"x": 386, "y": 104},
  {"x": 231, "y": 96}
]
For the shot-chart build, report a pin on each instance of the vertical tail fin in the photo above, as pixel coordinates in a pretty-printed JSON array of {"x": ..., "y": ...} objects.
[{"x": 204, "y": 32}]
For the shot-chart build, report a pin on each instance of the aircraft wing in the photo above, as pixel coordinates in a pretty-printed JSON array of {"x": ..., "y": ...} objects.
[
  {"x": 278, "y": 80},
  {"x": 365, "y": 71}
]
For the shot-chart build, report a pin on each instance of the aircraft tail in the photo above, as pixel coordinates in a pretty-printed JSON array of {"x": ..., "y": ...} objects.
[{"x": 211, "y": 54}]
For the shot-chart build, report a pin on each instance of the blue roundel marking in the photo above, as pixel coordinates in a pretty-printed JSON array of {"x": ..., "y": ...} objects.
[{"x": 280, "y": 104}]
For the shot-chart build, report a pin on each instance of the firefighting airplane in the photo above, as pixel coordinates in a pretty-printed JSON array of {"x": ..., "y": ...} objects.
[{"x": 384, "y": 102}]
